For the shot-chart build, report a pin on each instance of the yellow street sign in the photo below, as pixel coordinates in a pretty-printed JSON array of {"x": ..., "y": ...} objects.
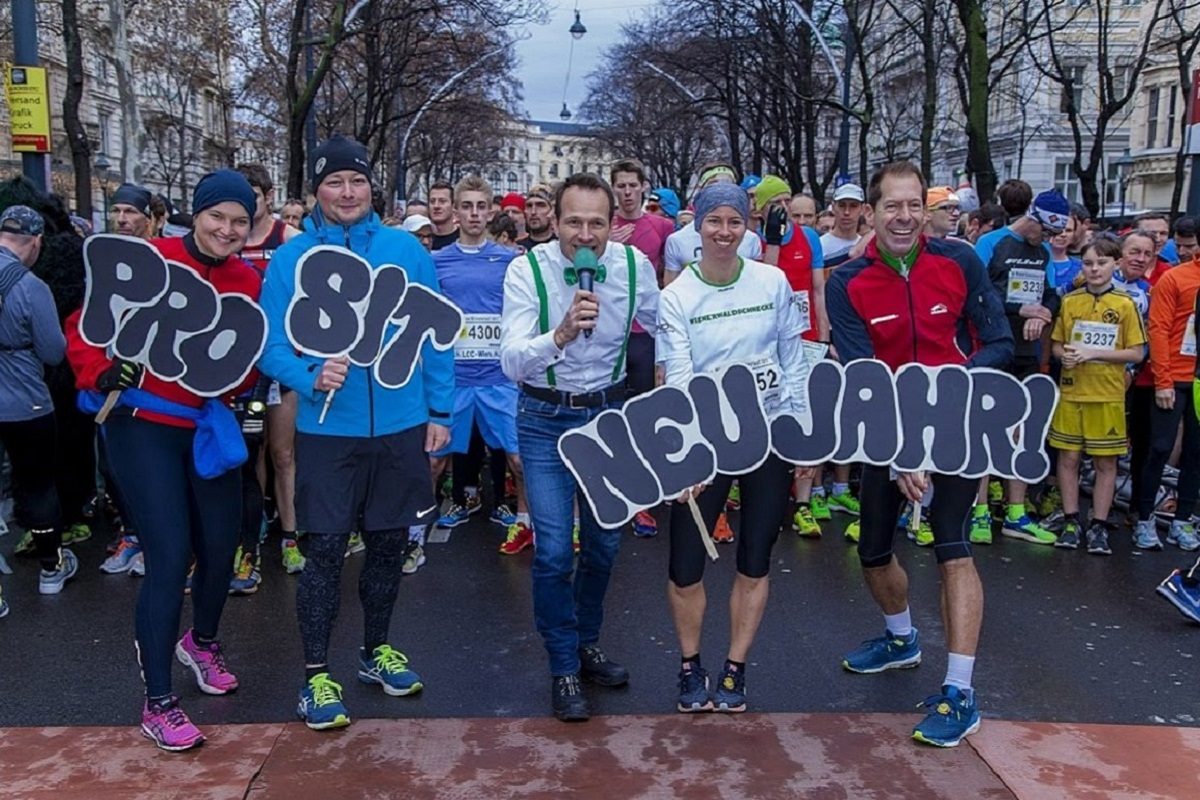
[{"x": 28, "y": 108}]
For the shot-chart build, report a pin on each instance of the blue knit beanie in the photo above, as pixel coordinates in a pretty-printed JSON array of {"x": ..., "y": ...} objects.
[
  {"x": 221, "y": 186},
  {"x": 721, "y": 194},
  {"x": 1051, "y": 209}
]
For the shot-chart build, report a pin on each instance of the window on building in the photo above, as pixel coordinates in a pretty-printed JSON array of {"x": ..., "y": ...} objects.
[
  {"x": 554, "y": 170},
  {"x": 105, "y": 139},
  {"x": 512, "y": 182},
  {"x": 570, "y": 169},
  {"x": 1072, "y": 88},
  {"x": 512, "y": 154},
  {"x": 101, "y": 70},
  {"x": 1120, "y": 78},
  {"x": 212, "y": 113},
  {"x": 1112, "y": 183},
  {"x": 1008, "y": 169},
  {"x": 1152, "y": 118},
  {"x": 494, "y": 179},
  {"x": 1172, "y": 100},
  {"x": 1066, "y": 181}
]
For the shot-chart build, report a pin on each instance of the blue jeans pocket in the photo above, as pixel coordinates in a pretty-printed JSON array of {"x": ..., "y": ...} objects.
[{"x": 537, "y": 408}]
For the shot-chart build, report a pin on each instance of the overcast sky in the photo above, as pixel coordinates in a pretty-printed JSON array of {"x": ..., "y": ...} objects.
[{"x": 543, "y": 67}]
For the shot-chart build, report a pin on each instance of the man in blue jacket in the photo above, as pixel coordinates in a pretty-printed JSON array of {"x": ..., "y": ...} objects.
[{"x": 366, "y": 466}]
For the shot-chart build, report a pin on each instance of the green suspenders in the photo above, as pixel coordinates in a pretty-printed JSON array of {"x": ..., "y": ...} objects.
[{"x": 544, "y": 310}]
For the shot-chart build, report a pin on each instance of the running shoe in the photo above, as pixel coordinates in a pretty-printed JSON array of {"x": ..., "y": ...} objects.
[
  {"x": 1027, "y": 530},
  {"x": 355, "y": 544},
  {"x": 520, "y": 536},
  {"x": 457, "y": 515},
  {"x": 246, "y": 577},
  {"x": 1055, "y": 520},
  {"x": 575, "y": 538},
  {"x": 1183, "y": 535},
  {"x": 820, "y": 508},
  {"x": 122, "y": 559},
  {"x": 3, "y": 605},
  {"x": 734, "y": 501},
  {"x": 730, "y": 697},
  {"x": 389, "y": 668},
  {"x": 1097, "y": 540},
  {"x": 951, "y": 718},
  {"x": 52, "y": 581},
  {"x": 414, "y": 558},
  {"x": 165, "y": 724},
  {"x": 981, "y": 526},
  {"x": 845, "y": 502},
  {"x": 137, "y": 569},
  {"x": 804, "y": 524},
  {"x": 321, "y": 704},
  {"x": 1049, "y": 502},
  {"x": 1145, "y": 536},
  {"x": 693, "y": 690},
  {"x": 884, "y": 652},
  {"x": 502, "y": 515},
  {"x": 722, "y": 533},
  {"x": 207, "y": 663},
  {"x": 1179, "y": 591},
  {"x": 644, "y": 525},
  {"x": 74, "y": 534},
  {"x": 25, "y": 545},
  {"x": 1069, "y": 538},
  {"x": 922, "y": 536},
  {"x": 853, "y": 531},
  {"x": 293, "y": 559}
]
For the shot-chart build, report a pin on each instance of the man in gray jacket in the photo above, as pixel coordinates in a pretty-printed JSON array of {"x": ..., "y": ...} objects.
[{"x": 30, "y": 339}]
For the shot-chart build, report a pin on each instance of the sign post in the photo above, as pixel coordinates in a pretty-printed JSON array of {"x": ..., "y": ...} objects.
[{"x": 28, "y": 103}]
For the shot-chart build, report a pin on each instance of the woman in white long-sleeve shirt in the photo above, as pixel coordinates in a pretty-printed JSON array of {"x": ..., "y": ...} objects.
[{"x": 725, "y": 310}]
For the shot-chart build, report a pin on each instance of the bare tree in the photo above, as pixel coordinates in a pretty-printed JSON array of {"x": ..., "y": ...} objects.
[
  {"x": 77, "y": 138},
  {"x": 1182, "y": 36}
]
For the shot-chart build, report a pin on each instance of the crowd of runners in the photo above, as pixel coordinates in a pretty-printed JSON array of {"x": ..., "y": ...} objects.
[{"x": 575, "y": 297}]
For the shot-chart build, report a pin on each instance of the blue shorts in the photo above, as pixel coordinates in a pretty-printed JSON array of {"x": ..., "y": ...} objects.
[{"x": 493, "y": 409}]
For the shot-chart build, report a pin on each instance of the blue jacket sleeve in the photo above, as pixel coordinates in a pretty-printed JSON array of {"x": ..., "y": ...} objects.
[
  {"x": 986, "y": 313},
  {"x": 279, "y": 359},
  {"x": 847, "y": 328},
  {"x": 437, "y": 366},
  {"x": 49, "y": 343}
]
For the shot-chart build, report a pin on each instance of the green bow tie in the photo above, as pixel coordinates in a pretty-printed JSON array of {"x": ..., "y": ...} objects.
[{"x": 571, "y": 275}]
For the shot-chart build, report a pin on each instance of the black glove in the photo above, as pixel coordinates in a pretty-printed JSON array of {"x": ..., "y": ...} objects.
[
  {"x": 253, "y": 413},
  {"x": 775, "y": 226},
  {"x": 121, "y": 375}
]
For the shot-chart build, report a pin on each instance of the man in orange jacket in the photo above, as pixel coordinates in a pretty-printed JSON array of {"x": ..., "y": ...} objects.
[{"x": 1173, "y": 365}]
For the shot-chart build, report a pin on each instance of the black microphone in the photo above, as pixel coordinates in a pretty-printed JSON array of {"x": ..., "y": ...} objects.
[{"x": 585, "y": 267}]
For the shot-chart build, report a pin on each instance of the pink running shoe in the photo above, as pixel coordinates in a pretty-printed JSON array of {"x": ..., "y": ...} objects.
[
  {"x": 207, "y": 663},
  {"x": 168, "y": 727}
]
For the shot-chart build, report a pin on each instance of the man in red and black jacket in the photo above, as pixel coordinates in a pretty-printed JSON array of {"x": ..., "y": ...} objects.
[{"x": 909, "y": 299}]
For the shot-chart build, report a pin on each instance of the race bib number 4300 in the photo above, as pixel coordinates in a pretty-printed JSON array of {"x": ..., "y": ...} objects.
[{"x": 479, "y": 339}]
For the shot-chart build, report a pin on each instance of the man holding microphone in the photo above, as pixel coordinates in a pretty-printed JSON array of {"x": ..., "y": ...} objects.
[{"x": 564, "y": 343}]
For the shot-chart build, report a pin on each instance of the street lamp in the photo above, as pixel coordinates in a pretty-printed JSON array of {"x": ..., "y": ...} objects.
[
  {"x": 1124, "y": 166},
  {"x": 577, "y": 29},
  {"x": 565, "y": 114},
  {"x": 102, "y": 167}
]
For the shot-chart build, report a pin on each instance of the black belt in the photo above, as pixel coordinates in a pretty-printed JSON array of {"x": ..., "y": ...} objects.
[{"x": 612, "y": 394}]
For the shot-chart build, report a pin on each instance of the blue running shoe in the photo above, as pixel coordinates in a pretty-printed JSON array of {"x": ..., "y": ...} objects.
[
  {"x": 457, "y": 515},
  {"x": 952, "y": 717},
  {"x": 321, "y": 704},
  {"x": 693, "y": 690},
  {"x": 502, "y": 515},
  {"x": 1145, "y": 535},
  {"x": 730, "y": 697},
  {"x": 886, "y": 652},
  {"x": 389, "y": 668},
  {"x": 1180, "y": 592}
]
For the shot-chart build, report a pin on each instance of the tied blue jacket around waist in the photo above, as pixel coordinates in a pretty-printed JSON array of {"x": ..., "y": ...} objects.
[{"x": 362, "y": 407}]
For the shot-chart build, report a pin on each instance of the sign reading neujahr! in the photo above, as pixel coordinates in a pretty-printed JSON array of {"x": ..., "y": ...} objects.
[{"x": 28, "y": 108}]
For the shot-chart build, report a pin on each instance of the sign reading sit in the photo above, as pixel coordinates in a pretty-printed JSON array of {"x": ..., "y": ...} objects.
[{"x": 28, "y": 108}]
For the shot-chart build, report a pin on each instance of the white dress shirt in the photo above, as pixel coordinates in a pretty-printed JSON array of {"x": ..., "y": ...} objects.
[{"x": 586, "y": 364}]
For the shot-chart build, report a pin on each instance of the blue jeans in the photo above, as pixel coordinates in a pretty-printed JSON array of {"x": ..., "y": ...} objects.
[{"x": 568, "y": 601}]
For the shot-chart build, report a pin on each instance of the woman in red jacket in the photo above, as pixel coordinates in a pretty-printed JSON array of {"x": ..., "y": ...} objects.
[{"x": 176, "y": 512}]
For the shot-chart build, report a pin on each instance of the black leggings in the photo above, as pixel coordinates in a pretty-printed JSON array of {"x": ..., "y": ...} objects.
[
  {"x": 30, "y": 446},
  {"x": 1140, "y": 407},
  {"x": 252, "y": 497},
  {"x": 764, "y": 505},
  {"x": 949, "y": 515},
  {"x": 319, "y": 593},
  {"x": 1164, "y": 426},
  {"x": 468, "y": 465},
  {"x": 639, "y": 364},
  {"x": 178, "y": 514},
  {"x": 76, "y": 460}
]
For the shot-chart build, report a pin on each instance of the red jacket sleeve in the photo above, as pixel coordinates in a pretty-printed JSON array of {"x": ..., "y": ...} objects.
[{"x": 87, "y": 361}]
